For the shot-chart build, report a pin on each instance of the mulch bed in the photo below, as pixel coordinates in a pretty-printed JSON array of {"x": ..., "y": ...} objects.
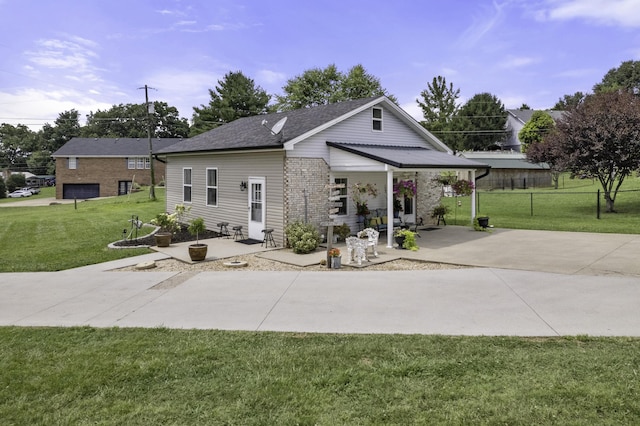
[{"x": 180, "y": 236}]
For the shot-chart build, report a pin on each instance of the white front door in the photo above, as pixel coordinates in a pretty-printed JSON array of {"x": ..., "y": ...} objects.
[{"x": 257, "y": 207}]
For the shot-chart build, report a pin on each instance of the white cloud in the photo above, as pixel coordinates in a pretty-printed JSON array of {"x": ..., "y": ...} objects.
[
  {"x": 482, "y": 25},
  {"x": 517, "y": 62},
  {"x": 35, "y": 107},
  {"x": 624, "y": 13}
]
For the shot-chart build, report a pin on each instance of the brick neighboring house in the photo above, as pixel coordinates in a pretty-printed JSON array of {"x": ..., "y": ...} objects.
[
  {"x": 245, "y": 174},
  {"x": 104, "y": 167}
]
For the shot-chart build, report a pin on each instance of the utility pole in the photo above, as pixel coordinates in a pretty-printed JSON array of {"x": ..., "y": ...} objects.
[{"x": 152, "y": 188}]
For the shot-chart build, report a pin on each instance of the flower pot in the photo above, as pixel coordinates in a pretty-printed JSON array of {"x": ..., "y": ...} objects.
[
  {"x": 163, "y": 239},
  {"x": 336, "y": 262},
  {"x": 198, "y": 252},
  {"x": 400, "y": 241},
  {"x": 483, "y": 221}
]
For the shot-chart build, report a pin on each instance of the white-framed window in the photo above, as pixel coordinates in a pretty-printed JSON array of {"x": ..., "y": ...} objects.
[
  {"x": 186, "y": 184},
  {"x": 73, "y": 163},
  {"x": 140, "y": 163},
  {"x": 376, "y": 115},
  {"x": 147, "y": 163},
  {"x": 212, "y": 187},
  {"x": 131, "y": 163},
  {"x": 343, "y": 195}
]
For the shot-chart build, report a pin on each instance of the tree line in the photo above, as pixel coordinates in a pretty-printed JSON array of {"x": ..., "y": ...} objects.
[{"x": 478, "y": 124}]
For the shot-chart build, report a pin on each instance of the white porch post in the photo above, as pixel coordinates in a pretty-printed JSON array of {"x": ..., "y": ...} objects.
[
  {"x": 473, "y": 196},
  {"x": 389, "y": 208}
]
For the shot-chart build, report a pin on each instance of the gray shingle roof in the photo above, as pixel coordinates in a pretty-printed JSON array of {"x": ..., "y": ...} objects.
[
  {"x": 524, "y": 115},
  {"x": 409, "y": 157},
  {"x": 249, "y": 133},
  {"x": 112, "y": 147}
]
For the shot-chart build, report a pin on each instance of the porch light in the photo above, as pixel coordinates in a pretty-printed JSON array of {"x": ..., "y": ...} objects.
[{"x": 243, "y": 186}]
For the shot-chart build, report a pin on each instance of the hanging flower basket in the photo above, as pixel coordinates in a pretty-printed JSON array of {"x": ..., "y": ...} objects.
[
  {"x": 462, "y": 187},
  {"x": 405, "y": 188}
]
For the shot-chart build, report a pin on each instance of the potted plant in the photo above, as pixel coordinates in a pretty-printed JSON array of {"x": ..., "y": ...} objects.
[
  {"x": 406, "y": 239},
  {"x": 336, "y": 259},
  {"x": 197, "y": 251},
  {"x": 439, "y": 212},
  {"x": 481, "y": 223},
  {"x": 168, "y": 225},
  {"x": 342, "y": 231},
  {"x": 360, "y": 194},
  {"x": 462, "y": 187}
]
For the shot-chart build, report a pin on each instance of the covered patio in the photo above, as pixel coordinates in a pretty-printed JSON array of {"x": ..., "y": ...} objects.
[{"x": 355, "y": 160}]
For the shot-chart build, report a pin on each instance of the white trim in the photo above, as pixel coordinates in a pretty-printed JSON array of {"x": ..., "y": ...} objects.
[
  {"x": 402, "y": 114},
  {"x": 207, "y": 186},
  {"x": 375, "y": 119},
  {"x": 187, "y": 185}
]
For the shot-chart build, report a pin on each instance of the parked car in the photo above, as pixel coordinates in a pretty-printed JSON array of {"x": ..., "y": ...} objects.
[
  {"x": 34, "y": 190},
  {"x": 19, "y": 193}
]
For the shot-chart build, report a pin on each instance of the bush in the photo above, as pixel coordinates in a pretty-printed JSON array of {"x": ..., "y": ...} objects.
[
  {"x": 303, "y": 237},
  {"x": 16, "y": 181}
]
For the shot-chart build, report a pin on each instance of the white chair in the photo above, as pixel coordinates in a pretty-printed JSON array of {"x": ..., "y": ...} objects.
[
  {"x": 356, "y": 249},
  {"x": 371, "y": 239}
]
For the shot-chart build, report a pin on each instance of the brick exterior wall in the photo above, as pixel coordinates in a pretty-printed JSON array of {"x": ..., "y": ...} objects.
[
  {"x": 430, "y": 195},
  {"x": 308, "y": 175},
  {"x": 106, "y": 172}
]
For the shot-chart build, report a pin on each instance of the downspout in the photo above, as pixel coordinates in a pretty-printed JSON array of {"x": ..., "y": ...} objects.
[{"x": 475, "y": 186}]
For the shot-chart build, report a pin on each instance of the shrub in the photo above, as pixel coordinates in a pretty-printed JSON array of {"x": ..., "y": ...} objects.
[{"x": 303, "y": 237}]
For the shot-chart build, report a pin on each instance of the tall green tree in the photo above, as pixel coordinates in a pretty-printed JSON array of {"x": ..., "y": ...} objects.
[
  {"x": 234, "y": 97},
  {"x": 568, "y": 102},
  {"x": 482, "y": 123},
  {"x": 318, "y": 86},
  {"x": 130, "y": 121},
  {"x": 535, "y": 129},
  {"x": 601, "y": 138},
  {"x": 626, "y": 76},
  {"x": 16, "y": 144},
  {"x": 439, "y": 108},
  {"x": 64, "y": 128}
]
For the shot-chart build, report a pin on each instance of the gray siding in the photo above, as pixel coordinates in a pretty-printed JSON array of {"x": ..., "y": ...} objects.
[
  {"x": 232, "y": 203},
  {"x": 357, "y": 129}
]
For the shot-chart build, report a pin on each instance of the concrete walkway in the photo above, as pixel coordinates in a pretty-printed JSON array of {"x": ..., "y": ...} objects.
[{"x": 527, "y": 283}]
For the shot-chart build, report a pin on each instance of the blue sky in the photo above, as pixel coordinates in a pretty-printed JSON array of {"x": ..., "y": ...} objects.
[{"x": 90, "y": 54}]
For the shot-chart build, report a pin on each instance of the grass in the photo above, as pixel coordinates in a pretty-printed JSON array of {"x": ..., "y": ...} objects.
[
  {"x": 572, "y": 207},
  {"x": 52, "y": 238},
  {"x": 160, "y": 376}
]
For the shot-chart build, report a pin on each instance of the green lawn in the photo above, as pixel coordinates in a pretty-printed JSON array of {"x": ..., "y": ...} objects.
[
  {"x": 57, "y": 237},
  {"x": 160, "y": 376},
  {"x": 572, "y": 207}
]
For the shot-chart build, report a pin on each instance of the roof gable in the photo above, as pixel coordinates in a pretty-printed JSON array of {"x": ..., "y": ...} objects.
[
  {"x": 112, "y": 147},
  {"x": 250, "y": 133}
]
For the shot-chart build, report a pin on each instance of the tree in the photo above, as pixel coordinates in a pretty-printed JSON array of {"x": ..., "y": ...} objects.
[
  {"x": 64, "y": 128},
  {"x": 15, "y": 181},
  {"x": 439, "y": 108},
  {"x": 601, "y": 138},
  {"x": 3, "y": 188},
  {"x": 535, "y": 129},
  {"x": 16, "y": 144},
  {"x": 482, "y": 122},
  {"x": 548, "y": 150},
  {"x": 324, "y": 86},
  {"x": 358, "y": 84},
  {"x": 524, "y": 107},
  {"x": 235, "y": 96},
  {"x": 568, "y": 102},
  {"x": 41, "y": 163},
  {"x": 626, "y": 76},
  {"x": 130, "y": 121}
]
